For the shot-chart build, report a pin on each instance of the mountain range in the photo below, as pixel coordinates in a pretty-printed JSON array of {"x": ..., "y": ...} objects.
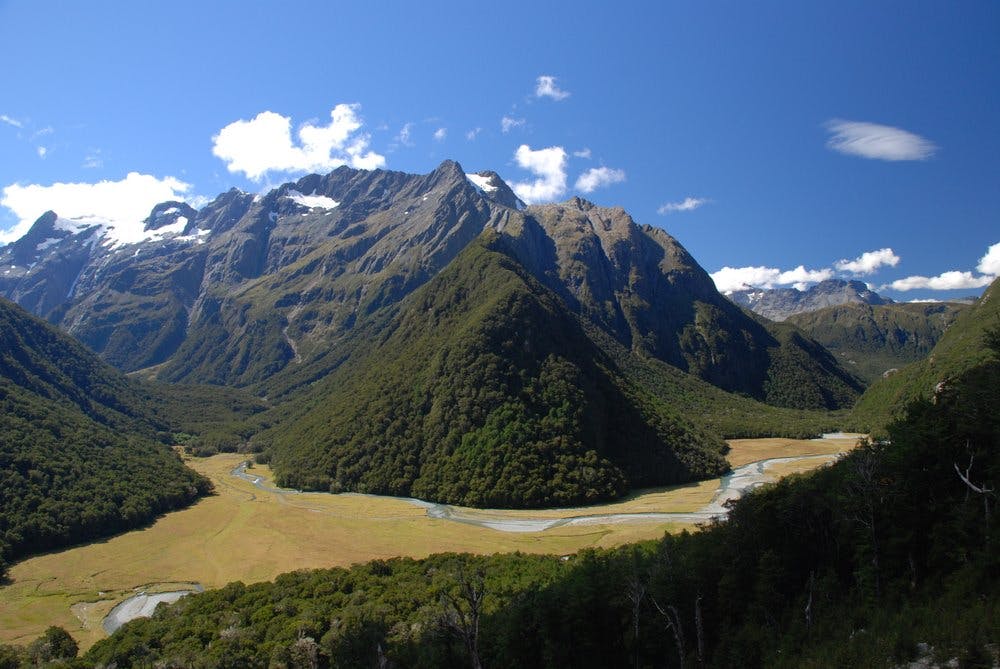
[
  {"x": 779, "y": 304},
  {"x": 403, "y": 326}
]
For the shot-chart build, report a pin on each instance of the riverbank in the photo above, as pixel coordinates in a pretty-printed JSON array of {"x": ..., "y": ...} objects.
[{"x": 250, "y": 534}]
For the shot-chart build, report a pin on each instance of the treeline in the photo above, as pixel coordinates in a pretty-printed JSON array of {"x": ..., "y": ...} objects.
[{"x": 888, "y": 555}]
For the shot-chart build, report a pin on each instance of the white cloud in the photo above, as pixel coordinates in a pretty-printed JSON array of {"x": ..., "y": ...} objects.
[
  {"x": 881, "y": 142},
  {"x": 404, "y": 135},
  {"x": 990, "y": 263},
  {"x": 264, "y": 144},
  {"x": 953, "y": 280},
  {"x": 440, "y": 134},
  {"x": 582, "y": 153},
  {"x": 508, "y": 123},
  {"x": 546, "y": 88},
  {"x": 549, "y": 165},
  {"x": 122, "y": 204},
  {"x": 868, "y": 262},
  {"x": 687, "y": 204},
  {"x": 598, "y": 177},
  {"x": 41, "y": 150},
  {"x": 11, "y": 121},
  {"x": 729, "y": 279},
  {"x": 471, "y": 134}
]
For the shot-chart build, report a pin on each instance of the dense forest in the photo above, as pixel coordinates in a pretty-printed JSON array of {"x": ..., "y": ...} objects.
[
  {"x": 870, "y": 339},
  {"x": 854, "y": 565},
  {"x": 81, "y": 453},
  {"x": 482, "y": 390}
]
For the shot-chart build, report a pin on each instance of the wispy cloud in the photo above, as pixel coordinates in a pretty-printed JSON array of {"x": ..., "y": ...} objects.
[
  {"x": 41, "y": 151},
  {"x": 868, "y": 262},
  {"x": 264, "y": 144},
  {"x": 549, "y": 166},
  {"x": 508, "y": 123},
  {"x": 546, "y": 87},
  {"x": 880, "y": 142},
  {"x": 405, "y": 135},
  {"x": 582, "y": 153},
  {"x": 122, "y": 204},
  {"x": 93, "y": 160},
  {"x": 598, "y": 177},
  {"x": 440, "y": 134},
  {"x": 9, "y": 120},
  {"x": 687, "y": 204},
  {"x": 472, "y": 134}
]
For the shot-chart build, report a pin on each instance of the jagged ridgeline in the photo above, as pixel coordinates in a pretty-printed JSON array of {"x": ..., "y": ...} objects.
[
  {"x": 429, "y": 334},
  {"x": 482, "y": 389},
  {"x": 79, "y": 455}
]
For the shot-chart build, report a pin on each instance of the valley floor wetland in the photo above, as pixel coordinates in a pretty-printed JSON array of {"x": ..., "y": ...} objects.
[{"x": 252, "y": 531}]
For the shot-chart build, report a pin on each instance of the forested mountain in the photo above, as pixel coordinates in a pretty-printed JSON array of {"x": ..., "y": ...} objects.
[
  {"x": 347, "y": 299},
  {"x": 249, "y": 287},
  {"x": 80, "y": 455},
  {"x": 875, "y": 340},
  {"x": 962, "y": 347},
  {"x": 886, "y": 557},
  {"x": 483, "y": 390}
]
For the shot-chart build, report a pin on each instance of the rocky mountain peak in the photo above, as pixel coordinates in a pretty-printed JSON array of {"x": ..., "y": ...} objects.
[{"x": 780, "y": 303}]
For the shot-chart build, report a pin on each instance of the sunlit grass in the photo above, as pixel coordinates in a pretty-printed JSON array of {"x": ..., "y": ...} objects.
[{"x": 244, "y": 533}]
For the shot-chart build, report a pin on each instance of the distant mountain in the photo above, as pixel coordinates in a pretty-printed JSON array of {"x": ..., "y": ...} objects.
[
  {"x": 962, "y": 347},
  {"x": 874, "y": 340},
  {"x": 79, "y": 455},
  {"x": 310, "y": 290},
  {"x": 779, "y": 304}
]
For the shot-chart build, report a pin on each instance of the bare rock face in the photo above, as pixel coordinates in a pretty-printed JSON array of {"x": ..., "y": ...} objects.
[{"x": 780, "y": 303}]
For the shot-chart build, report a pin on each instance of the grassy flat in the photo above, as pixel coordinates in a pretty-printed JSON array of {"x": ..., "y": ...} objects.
[{"x": 248, "y": 534}]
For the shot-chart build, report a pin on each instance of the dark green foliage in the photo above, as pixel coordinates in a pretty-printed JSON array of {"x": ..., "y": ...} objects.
[
  {"x": 482, "y": 390},
  {"x": 206, "y": 419},
  {"x": 54, "y": 644},
  {"x": 962, "y": 347},
  {"x": 873, "y": 339},
  {"x": 78, "y": 454},
  {"x": 858, "y": 564},
  {"x": 803, "y": 375}
]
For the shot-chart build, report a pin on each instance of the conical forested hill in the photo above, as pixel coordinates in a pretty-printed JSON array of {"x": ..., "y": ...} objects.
[
  {"x": 483, "y": 389},
  {"x": 79, "y": 458}
]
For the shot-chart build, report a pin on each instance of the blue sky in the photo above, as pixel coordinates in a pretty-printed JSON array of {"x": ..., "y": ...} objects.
[{"x": 786, "y": 141}]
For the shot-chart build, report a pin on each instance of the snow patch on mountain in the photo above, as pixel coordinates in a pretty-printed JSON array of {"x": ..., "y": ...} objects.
[
  {"x": 313, "y": 201},
  {"x": 481, "y": 183}
]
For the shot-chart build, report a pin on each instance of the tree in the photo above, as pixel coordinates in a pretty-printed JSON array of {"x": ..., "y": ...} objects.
[
  {"x": 55, "y": 644},
  {"x": 463, "y": 606}
]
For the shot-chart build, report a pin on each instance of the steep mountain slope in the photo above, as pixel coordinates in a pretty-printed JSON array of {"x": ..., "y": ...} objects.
[
  {"x": 252, "y": 287},
  {"x": 481, "y": 389},
  {"x": 962, "y": 347},
  {"x": 638, "y": 284},
  {"x": 873, "y": 340},
  {"x": 78, "y": 452},
  {"x": 779, "y": 304}
]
